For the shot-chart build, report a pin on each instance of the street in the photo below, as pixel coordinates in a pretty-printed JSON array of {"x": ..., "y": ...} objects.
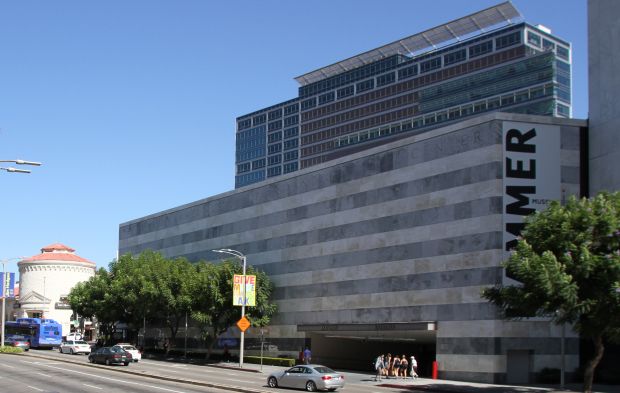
[
  {"x": 21, "y": 374},
  {"x": 50, "y": 371}
]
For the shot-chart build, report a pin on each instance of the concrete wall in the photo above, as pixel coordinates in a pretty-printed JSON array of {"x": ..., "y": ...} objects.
[
  {"x": 604, "y": 84},
  {"x": 406, "y": 232}
]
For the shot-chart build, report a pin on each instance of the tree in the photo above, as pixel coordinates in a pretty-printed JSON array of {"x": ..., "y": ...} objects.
[
  {"x": 173, "y": 280},
  {"x": 213, "y": 298},
  {"x": 567, "y": 263},
  {"x": 132, "y": 277},
  {"x": 96, "y": 298}
]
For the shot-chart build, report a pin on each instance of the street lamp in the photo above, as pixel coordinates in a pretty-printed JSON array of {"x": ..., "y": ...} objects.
[
  {"x": 19, "y": 162},
  {"x": 4, "y": 290},
  {"x": 243, "y": 259}
]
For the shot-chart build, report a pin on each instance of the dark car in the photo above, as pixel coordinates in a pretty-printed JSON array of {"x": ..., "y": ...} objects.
[
  {"x": 12, "y": 342},
  {"x": 110, "y": 355}
]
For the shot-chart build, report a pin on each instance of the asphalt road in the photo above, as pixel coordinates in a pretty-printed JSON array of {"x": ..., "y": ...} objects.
[
  {"x": 72, "y": 373},
  {"x": 21, "y": 374},
  {"x": 50, "y": 371}
]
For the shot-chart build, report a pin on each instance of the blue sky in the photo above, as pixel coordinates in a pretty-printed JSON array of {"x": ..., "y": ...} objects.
[{"x": 131, "y": 105}]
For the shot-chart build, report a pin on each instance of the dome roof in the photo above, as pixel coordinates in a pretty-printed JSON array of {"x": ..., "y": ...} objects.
[{"x": 57, "y": 252}]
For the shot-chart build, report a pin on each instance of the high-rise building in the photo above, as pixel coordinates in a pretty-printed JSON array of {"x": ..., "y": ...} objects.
[{"x": 487, "y": 61}]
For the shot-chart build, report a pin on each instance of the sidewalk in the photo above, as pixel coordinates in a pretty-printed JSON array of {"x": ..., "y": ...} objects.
[{"x": 437, "y": 385}]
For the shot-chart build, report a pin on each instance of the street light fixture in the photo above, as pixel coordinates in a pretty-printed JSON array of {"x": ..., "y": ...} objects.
[
  {"x": 4, "y": 290},
  {"x": 19, "y": 162},
  {"x": 241, "y": 256},
  {"x": 4, "y": 261}
]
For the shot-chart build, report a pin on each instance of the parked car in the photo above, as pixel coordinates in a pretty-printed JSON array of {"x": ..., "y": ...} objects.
[
  {"x": 135, "y": 353},
  {"x": 12, "y": 342},
  {"x": 110, "y": 355},
  {"x": 310, "y": 377},
  {"x": 74, "y": 346},
  {"x": 74, "y": 337}
]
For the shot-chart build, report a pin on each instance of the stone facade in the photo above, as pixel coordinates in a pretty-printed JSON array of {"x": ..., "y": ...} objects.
[
  {"x": 386, "y": 248},
  {"x": 604, "y": 83}
]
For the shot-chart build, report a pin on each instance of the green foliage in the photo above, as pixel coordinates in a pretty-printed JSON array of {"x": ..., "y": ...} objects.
[
  {"x": 213, "y": 294},
  {"x": 7, "y": 349},
  {"x": 283, "y": 362},
  {"x": 96, "y": 298},
  {"x": 567, "y": 264},
  {"x": 152, "y": 287}
]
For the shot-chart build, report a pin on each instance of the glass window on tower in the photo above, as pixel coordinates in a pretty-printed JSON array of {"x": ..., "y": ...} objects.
[
  {"x": 290, "y": 109},
  {"x": 275, "y": 114},
  {"x": 365, "y": 85},
  {"x": 563, "y": 53},
  {"x": 533, "y": 38},
  {"x": 430, "y": 65},
  {"x": 508, "y": 40},
  {"x": 480, "y": 49}
]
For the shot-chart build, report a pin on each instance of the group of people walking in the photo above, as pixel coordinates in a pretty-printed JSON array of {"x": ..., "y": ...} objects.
[{"x": 395, "y": 366}]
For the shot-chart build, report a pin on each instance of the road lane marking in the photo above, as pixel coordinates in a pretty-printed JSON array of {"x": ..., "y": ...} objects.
[
  {"x": 6, "y": 365},
  {"x": 120, "y": 380},
  {"x": 45, "y": 375},
  {"x": 32, "y": 387},
  {"x": 92, "y": 386}
]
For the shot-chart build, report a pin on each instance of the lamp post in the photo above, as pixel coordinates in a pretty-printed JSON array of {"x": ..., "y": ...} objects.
[
  {"x": 4, "y": 261},
  {"x": 243, "y": 260},
  {"x": 4, "y": 288},
  {"x": 18, "y": 162}
]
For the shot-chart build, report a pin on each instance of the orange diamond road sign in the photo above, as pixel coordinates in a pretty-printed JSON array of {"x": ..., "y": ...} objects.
[{"x": 243, "y": 324}]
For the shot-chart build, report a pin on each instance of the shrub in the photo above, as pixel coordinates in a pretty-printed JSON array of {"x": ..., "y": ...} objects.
[
  {"x": 548, "y": 375},
  {"x": 6, "y": 349},
  {"x": 284, "y": 362}
]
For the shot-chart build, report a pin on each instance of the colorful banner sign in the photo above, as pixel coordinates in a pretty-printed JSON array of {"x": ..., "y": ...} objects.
[
  {"x": 250, "y": 290},
  {"x": 8, "y": 284}
]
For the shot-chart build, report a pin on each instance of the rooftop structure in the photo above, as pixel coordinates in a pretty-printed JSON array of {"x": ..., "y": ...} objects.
[{"x": 487, "y": 61}]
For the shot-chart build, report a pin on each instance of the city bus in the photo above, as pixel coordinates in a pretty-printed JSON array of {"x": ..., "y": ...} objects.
[{"x": 42, "y": 333}]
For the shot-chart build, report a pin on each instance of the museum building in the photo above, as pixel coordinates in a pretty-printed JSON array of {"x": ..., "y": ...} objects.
[{"x": 388, "y": 249}]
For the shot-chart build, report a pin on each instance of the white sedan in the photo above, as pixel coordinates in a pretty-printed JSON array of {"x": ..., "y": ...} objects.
[
  {"x": 74, "y": 346},
  {"x": 135, "y": 354},
  {"x": 311, "y": 377}
]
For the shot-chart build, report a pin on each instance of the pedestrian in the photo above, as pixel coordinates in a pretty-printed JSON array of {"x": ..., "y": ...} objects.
[
  {"x": 379, "y": 366},
  {"x": 307, "y": 356},
  {"x": 387, "y": 371},
  {"x": 404, "y": 365},
  {"x": 166, "y": 345},
  {"x": 414, "y": 367},
  {"x": 396, "y": 366}
]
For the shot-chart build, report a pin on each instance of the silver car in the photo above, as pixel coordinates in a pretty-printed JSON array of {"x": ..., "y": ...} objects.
[
  {"x": 310, "y": 377},
  {"x": 74, "y": 346}
]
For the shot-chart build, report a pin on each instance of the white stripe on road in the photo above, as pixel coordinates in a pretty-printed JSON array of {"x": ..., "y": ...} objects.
[
  {"x": 32, "y": 387},
  {"x": 92, "y": 386},
  {"x": 119, "y": 380},
  {"x": 45, "y": 375},
  {"x": 6, "y": 365}
]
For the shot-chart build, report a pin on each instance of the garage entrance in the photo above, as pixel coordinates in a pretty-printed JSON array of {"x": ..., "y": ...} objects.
[{"x": 356, "y": 346}]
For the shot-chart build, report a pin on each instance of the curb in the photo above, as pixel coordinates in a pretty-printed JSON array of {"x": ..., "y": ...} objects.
[{"x": 231, "y": 388}]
